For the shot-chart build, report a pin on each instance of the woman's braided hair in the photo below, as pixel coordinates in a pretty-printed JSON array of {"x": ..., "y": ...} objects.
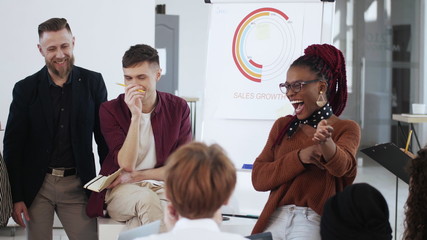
[{"x": 328, "y": 63}]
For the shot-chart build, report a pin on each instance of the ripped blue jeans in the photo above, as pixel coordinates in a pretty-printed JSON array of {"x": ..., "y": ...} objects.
[{"x": 290, "y": 222}]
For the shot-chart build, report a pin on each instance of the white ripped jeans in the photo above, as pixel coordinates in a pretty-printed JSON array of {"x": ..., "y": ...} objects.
[{"x": 290, "y": 222}]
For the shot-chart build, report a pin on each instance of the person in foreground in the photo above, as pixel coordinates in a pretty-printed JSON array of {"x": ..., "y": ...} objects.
[
  {"x": 199, "y": 180},
  {"x": 142, "y": 127},
  {"x": 358, "y": 212},
  {"x": 309, "y": 156},
  {"x": 415, "y": 208},
  {"x": 49, "y": 136}
]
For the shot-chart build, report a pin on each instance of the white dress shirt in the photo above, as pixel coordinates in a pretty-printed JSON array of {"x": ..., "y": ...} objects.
[{"x": 187, "y": 229}]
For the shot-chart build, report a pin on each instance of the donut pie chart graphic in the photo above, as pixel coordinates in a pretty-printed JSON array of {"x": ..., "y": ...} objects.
[{"x": 263, "y": 43}]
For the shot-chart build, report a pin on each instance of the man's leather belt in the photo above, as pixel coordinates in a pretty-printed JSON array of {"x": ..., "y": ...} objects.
[{"x": 58, "y": 172}]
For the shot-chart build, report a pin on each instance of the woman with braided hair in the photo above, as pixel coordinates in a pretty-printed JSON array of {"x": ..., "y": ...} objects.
[
  {"x": 309, "y": 156},
  {"x": 415, "y": 208}
]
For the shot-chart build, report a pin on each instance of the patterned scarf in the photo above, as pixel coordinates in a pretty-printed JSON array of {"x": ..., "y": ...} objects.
[{"x": 323, "y": 113}]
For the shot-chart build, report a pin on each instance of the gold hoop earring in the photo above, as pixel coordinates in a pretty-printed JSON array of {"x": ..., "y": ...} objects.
[{"x": 321, "y": 101}]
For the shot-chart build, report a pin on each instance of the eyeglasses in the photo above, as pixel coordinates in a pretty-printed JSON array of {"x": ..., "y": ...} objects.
[{"x": 296, "y": 86}]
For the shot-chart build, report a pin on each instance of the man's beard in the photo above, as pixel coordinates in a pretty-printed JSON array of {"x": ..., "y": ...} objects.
[{"x": 65, "y": 71}]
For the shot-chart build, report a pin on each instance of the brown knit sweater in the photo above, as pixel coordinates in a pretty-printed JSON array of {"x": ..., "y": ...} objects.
[{"x": 280, "y": 171}]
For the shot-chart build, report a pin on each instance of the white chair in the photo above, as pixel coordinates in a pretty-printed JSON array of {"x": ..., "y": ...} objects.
[
  {"x": 142, "y": 231},
  {"x": 108, "y": 229}
]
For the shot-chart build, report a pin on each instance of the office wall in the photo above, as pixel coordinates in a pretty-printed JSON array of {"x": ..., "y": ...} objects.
[
  {"x": 193, "y": 40},
  {"x": 103, "y": 31}
]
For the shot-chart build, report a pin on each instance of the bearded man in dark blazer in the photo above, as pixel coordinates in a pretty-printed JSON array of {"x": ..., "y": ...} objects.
[{"x": 48, "y": 139}]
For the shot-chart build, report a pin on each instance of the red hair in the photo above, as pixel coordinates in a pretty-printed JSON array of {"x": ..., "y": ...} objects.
[
  {"x": 328, "y": 63},
  {"x": 199, "y": 179}
]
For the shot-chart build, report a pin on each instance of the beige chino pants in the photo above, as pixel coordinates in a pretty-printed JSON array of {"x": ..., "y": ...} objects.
[
  {"x": 66, "y": 197},
  {"x": 136, "y": 203}
]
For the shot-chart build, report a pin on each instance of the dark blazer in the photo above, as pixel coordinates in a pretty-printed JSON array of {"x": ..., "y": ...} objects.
[{"x": 28, "y": 139}]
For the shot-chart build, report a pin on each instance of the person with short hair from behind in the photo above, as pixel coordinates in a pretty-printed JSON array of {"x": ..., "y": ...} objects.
[
  {"x": 199, "y": 180},
  {"x": 360, "y": 212},
  {"x": 48, "y": 139},
  {"x": 416, "y": 208}
]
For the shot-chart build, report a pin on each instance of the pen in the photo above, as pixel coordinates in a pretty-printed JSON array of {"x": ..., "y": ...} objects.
[
  {"x": 408, "y": 141},
  {"x": 240, "y": 216},
  {"x": 123, "y": 85}
]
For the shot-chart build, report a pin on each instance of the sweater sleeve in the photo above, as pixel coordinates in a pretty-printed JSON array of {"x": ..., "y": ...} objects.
[
  {"x": 347, "y": 138},
  {"x": 271, "y": 171}
]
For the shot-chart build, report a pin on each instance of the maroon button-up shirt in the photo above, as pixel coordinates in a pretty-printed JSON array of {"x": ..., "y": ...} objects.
[{"x": 170, "y": 121}]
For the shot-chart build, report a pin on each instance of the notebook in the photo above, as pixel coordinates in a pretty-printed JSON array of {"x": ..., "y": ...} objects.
[
  {"x": 261, "y": 236},
  {"x": 101, "y": 182}
]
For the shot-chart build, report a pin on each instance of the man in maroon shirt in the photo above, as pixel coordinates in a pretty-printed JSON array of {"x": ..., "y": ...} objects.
[{"x": 142, "y": 127}]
